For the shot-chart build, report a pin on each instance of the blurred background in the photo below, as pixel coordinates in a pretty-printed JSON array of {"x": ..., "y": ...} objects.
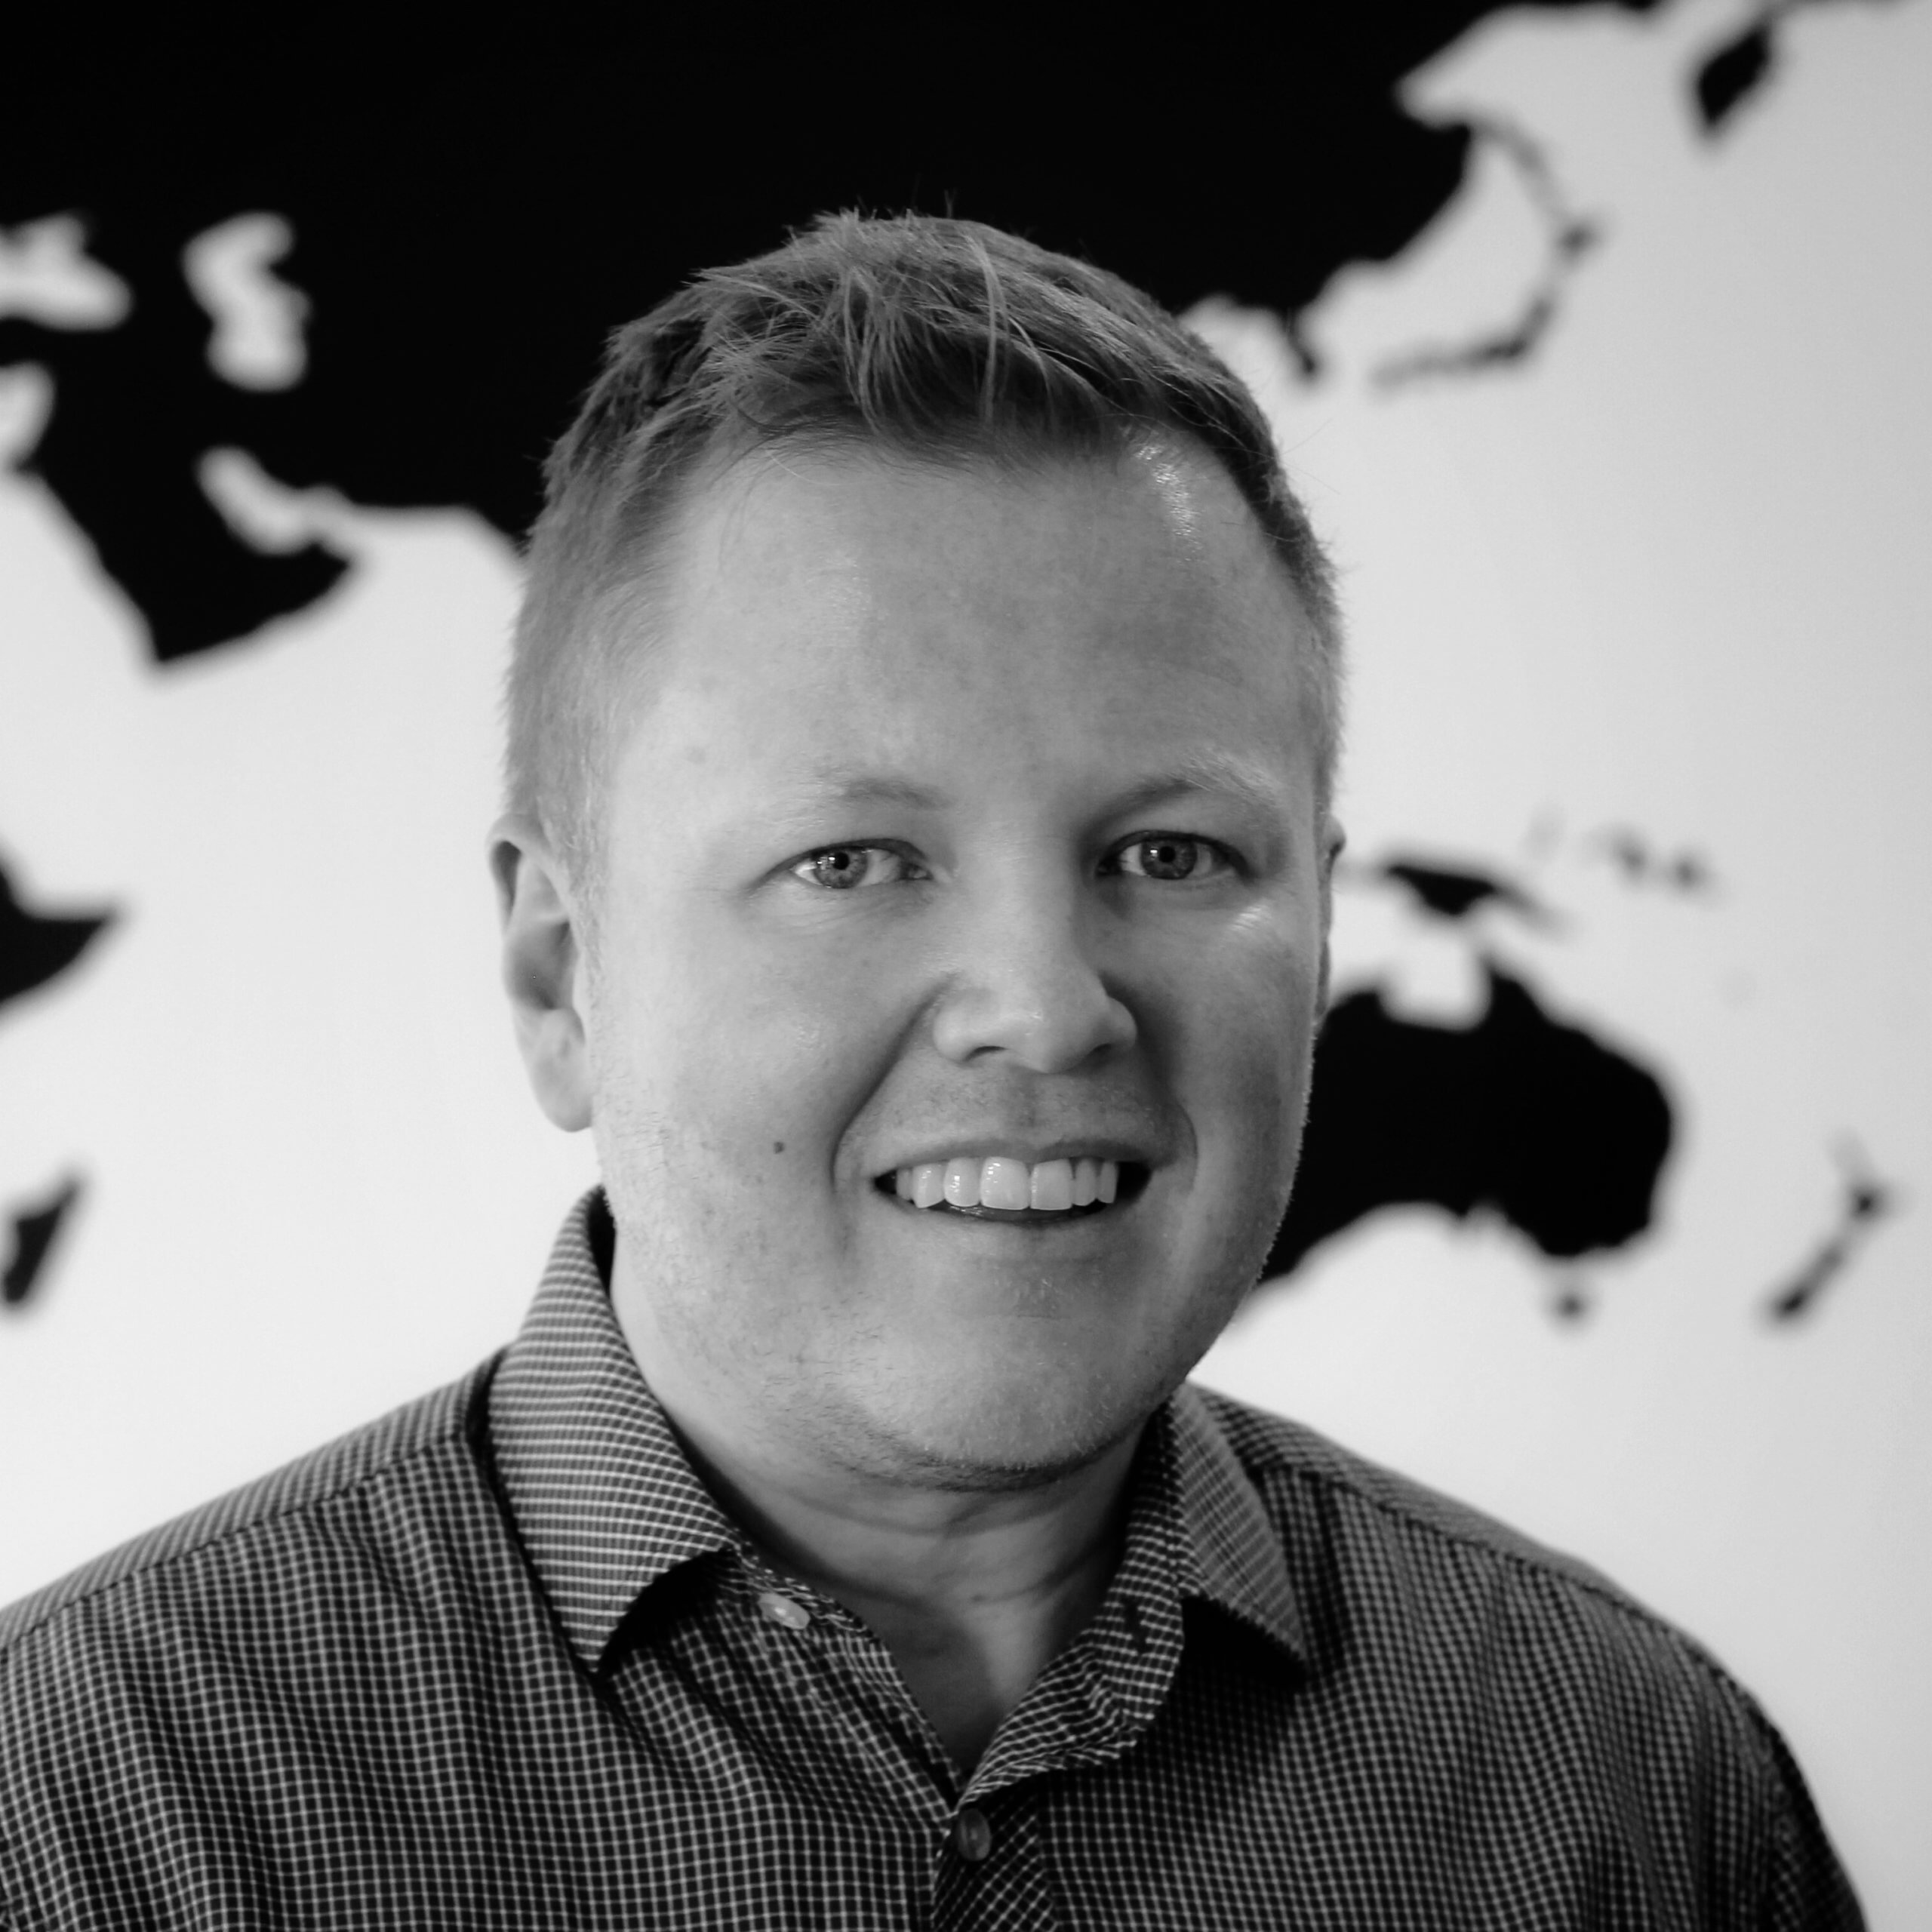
[{"x": 1594, "y": 336}]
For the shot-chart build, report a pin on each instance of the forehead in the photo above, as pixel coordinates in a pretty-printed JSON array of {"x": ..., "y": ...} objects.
[
  {"x": 1154, "y": 519},
  {"x": 818, "y": 609}
]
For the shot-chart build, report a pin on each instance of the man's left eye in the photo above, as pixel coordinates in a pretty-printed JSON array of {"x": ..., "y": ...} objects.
[
  {"x": 841, "y": 868},
  {"x": 1172, "y": 856}
]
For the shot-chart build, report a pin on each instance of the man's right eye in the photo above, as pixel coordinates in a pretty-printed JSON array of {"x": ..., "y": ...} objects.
[{"x": 843, "y": 868}]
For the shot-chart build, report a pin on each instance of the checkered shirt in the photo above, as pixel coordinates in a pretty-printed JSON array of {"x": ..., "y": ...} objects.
[{"x": 499, "y": 1660}]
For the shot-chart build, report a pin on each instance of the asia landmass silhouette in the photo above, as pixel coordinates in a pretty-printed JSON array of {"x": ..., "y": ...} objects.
[{"x": 469, "y": 218}]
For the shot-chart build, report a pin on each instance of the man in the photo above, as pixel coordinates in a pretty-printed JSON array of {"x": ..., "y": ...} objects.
[{"x": 916, "y": 877}]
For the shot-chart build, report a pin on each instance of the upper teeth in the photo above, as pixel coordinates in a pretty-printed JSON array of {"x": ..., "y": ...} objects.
[{"x": 1000, "y": 1181}]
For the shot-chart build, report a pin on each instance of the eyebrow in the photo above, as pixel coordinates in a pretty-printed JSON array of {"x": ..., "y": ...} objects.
[
  {"x": 860, "y": 785},
  {"x": 1207, "y": 773}
]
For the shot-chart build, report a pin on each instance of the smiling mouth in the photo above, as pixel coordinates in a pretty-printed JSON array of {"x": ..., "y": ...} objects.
[{"x": 1003, "y": 1188}]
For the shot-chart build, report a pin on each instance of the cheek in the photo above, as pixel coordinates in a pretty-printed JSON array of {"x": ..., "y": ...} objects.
[
  {"x": 1243, "y": 1065},
  {"x": 1248, "y": 1006},
  {"x": 753, "y": 1058},
  {"x": 1246, "y": 1100}
]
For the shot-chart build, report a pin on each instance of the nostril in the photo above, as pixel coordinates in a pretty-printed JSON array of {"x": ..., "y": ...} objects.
[{"x": 1051, "y": 1017}]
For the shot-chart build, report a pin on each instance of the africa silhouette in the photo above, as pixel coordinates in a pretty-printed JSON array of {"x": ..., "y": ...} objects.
[{"x": 34, "y": 1230}]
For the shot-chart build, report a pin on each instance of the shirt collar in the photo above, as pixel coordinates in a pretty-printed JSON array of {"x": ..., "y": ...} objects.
[
  {"x": 599, "y": 1489},
  {"x": 1231, "y": 1552},
  {"x": 606, "y": 1502}
]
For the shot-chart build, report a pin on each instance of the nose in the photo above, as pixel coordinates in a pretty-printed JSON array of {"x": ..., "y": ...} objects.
[{"x": 1028, "y": 987}]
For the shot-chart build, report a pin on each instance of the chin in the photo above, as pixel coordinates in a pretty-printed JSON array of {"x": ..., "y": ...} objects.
[{"x": 1015, "y": 1432}]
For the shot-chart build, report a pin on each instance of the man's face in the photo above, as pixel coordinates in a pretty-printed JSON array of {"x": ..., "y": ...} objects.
[{"x": 970, "y": 818}]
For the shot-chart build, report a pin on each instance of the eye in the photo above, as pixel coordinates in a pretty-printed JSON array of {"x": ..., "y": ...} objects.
[
  {"x": 844, "y": 868},
  {"x": 1172, "y": 856}
]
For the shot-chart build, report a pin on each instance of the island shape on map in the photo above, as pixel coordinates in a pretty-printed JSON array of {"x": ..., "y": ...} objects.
[{"x": 1519, "y": 1114}]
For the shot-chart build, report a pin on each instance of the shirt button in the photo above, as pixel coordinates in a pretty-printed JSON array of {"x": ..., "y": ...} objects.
[
  {"x": 793, "y": 1615},
  {"x": 973, "y": 1835}
]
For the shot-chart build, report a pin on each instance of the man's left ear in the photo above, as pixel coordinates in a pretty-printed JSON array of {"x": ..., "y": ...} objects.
[
  {"x": 542, "y": 959},
  {"x": 1333, "y": 839}
]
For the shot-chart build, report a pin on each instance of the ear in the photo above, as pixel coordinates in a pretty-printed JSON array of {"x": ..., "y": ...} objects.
[
  {"x": 543, "y": 964},
  {"x": 1333, "y": 840}
]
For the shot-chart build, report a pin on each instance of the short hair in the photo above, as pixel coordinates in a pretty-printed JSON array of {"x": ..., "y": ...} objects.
[{"x": 931, "y": 338}]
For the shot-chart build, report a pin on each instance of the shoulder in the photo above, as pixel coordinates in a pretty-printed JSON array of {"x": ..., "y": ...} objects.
[
  {"x": 221, "y": 1681},
  {"x": 239, "y": 1545},
  {"x": 1394, "y": 1576},
  {"x": 1291, "y": 1465},
  {"x": 1529, "y": 1681}
]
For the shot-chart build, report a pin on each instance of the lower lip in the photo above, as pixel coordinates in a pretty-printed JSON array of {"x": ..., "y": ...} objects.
[{"x": 1013, "y": 1217}]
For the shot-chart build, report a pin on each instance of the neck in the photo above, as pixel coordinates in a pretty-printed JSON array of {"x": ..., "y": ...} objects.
[
  {"x": 973, "y": 1594},
  {"x": 973, "y": 1591}
]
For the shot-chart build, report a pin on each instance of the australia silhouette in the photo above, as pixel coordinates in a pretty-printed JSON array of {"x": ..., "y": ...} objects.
[
  {"x": 1520, "y": 1114},
  {"x": 1517, "y": 1113}
]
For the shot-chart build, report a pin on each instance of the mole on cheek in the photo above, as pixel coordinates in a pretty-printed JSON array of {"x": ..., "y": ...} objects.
[{"x": 778, "y": 1146}]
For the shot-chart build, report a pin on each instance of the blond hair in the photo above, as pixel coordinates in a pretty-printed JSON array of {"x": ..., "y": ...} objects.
[{"x": 933, "y": 338}]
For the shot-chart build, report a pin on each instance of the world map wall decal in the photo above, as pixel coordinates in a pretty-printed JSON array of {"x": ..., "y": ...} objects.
[
  {"x": 1593, "y": 336},
  {"x": 204, "y": 366}
]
